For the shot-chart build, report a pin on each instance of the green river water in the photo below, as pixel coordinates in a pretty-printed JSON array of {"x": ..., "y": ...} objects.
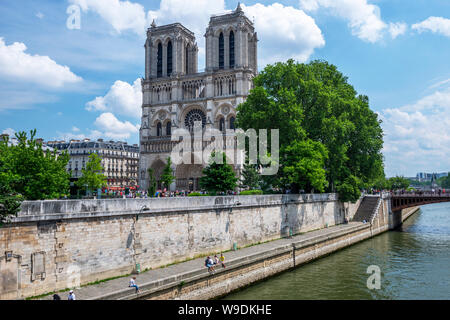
[{"x": 414, "y": 262}]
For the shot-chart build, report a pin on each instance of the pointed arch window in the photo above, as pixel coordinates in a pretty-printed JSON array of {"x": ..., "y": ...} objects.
[
  {"x": 187, "y": 60},
  {"x": 222, "y": 124},
  {"x": 159, "y": 129},
  {"x": 221, "y": 51},
  {"x": 232, "y": 123},
  {"x": 159, "y": 61},
  {"x": 169, "y": 128},
  {"x": 169, "y": 58},
  {"x": 232, "y": 60}
]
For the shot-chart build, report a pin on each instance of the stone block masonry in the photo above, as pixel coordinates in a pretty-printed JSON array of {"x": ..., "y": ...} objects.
[{"x": 53, "y": 245}]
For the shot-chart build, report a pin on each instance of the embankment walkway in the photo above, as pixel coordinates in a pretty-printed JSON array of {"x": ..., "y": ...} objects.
[{"x": 154, "y": 283}]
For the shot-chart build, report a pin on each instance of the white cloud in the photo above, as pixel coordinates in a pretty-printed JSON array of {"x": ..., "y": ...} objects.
[
  {"x": 417, "y": 136},
  {"x": 75, "y": 129},
  {"x": 16, "y": 64},
  {"x": 9, "y": 132},
  {"x": 114, "y": 128},
  {"x": 396, "y": 29},
  {"x": 40, "y": 15},
  {"x": 122, "y": 98},
  {"x": 435, "y": 25},
  {"x": 291, "y": 31},
  {"x": 122, "y": 15},
  {"x": 363, "y": 18}
]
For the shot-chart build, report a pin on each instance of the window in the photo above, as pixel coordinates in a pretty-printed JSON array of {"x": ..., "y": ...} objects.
[
  {"x": 187, "y": 59},
  {"x": 169, "y": 128},
  {"x": 231, "y": 49},
  {"x": 159, "y": 129},
  {"x": 232, "y": 123},
  {"x": 222, "y": 124},
  {"x": 193, "y": 116},
  {"x": 169, "y": 58},
  {"x": 221, "y": 51},
  {"x": 159, "y": 61}
]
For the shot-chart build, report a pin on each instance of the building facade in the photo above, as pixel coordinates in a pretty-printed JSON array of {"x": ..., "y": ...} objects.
[
  {"x": 175, "y": 94},
  {"x": 120, "y": 161}
]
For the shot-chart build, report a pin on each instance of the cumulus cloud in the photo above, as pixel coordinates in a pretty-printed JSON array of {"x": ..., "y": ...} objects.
[
  {"x": 417, "y": 136},
  {"x": 396, "y": 29},
  {"x": 122, "y": 98},
  {"x": 435, "y": 25},
  {"x": 114, "y": 128},
  {"x": 122, "y": 15},
  {"x": 291, "y": 31},
  {"x": 363, "y": 18},
  {"x": 16, "y": 64}
]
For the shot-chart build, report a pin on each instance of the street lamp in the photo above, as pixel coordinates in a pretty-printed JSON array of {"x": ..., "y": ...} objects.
[{"x": 143, "y": 208}]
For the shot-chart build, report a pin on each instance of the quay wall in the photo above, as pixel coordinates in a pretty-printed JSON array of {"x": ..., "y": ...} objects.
[{"x": 54, "y": 245}]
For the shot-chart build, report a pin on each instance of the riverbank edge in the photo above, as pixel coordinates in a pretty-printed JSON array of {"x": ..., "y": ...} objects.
[
  {"x": 258, "y": 264},
  {"x": 263, "y": 265}
]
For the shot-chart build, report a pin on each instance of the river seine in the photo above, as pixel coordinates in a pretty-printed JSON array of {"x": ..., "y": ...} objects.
[{"x": 414, "y": 262}]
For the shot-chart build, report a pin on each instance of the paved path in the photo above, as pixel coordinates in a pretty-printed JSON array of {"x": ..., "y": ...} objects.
[{"x": 156, "y": 277}]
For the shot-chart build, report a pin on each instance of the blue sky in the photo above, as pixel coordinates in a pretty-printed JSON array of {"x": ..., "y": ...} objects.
[{"x": 76, "y": 83}]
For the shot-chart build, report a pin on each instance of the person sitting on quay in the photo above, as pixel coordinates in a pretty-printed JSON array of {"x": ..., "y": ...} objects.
[
  {"x": 222, "y": 260},
  {"x": 133, "y": 284},
  {"x": 210, "y": 265}
]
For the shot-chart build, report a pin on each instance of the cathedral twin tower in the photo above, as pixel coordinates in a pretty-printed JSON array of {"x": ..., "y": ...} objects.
[{"x": 175, "y": 94}]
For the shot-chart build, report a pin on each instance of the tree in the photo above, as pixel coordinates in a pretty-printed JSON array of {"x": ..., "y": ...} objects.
[
  {"x": 9, "y": 200},
  {"x": 399, "y": 182},
  {"x": 218, "y": 177},
  {"x": 32, "y": 172},
  {"x": 315, "y": 102},
  {"x": 304, "y": 166},
  {"x": 92, "y": 176},
  {"x": 167, "y": 176},
  {"x": 151, "y": 182},
  {"x": 444, "y": 182},
  {"x": 251, "y": 179}
]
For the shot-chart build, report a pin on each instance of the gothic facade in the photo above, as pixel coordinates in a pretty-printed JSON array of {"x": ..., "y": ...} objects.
[{"x": 175, "y": 93}]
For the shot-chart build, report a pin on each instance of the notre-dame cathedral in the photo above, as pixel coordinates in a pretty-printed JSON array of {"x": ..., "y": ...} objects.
[{"x": 175, "y": 93}]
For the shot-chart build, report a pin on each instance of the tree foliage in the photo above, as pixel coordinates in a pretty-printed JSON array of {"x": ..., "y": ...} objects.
[
  {"x": 444, "y": 182},
  {"x": 151, "y": 182},
  {"x": 167, "y": 176},
  {"x": 322, "y": 119},
  {"x": 398, "y": 182},
  {"x": 218, "y": 177},
  {"x": 92, "y": 175},
  {"x": 30, "y": 171},
  {"x": 250, "y": 177}
]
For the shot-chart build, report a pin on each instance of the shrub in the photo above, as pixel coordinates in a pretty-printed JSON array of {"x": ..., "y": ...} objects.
[{"x": 250, "y": 192}]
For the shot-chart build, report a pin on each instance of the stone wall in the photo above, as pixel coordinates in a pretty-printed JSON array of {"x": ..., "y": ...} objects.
[{"x": 53, "y": 245}]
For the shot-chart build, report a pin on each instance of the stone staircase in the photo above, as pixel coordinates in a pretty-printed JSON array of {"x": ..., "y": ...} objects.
[{"x": 367, "y": 209}]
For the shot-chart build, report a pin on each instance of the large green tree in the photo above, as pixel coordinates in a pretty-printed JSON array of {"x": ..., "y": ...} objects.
[
  {"x": 315, "y": 103},
  {"x": 32, "y": 172},
  {"x": 218, "y": 177},
  {"x": 92, "y": 175}
]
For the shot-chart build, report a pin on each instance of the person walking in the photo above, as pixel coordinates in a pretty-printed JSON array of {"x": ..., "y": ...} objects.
[
  {"x": 133, "y": 284},
  {"x": 71, "y": 295}
]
